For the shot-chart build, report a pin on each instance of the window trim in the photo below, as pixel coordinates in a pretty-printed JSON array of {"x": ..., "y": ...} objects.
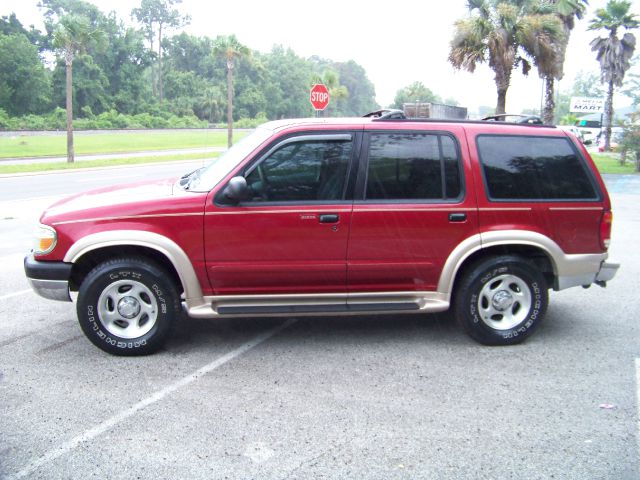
[
  {"x": 353, "y": 136},
  {"x": 581, "y": 159},
  {"x": 363, "y": 172}
]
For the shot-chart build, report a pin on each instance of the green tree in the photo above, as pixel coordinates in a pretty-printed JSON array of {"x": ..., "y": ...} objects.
[
  {"x": 25, "y": 86},
  {"x": 631, "y": 140},
  {"x": 586, "y": 84},
  {"x": 103, "y": 78},
  {"x": 188, "y": 53},
  {"x": 11, "y": 26},
  {"x": 494, "y": 33},
  {"x": 124, "y": 66},
  {"x": 286, "y": 84},
  {"x": 209, "y": 104},
  {"x": 362, "y": 93},
  {"x": 156, "y": 17},
  {"x": 632, "y": 83},
  {"x": 416, "y": 92},
  {"x": 72, "y": 36},
  {"x": 90, "y": 86},
  {"x": 230, "y": 49},
  {"x": 613, "y": 53},
  {"x": 632, "y": 89}
]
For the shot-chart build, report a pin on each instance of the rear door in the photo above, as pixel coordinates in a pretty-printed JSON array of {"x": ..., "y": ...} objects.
[{"x": 412, "y": 208}]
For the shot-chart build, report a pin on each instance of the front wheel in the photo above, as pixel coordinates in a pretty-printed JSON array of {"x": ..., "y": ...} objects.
[
  {"x": 501, "y": 300},
  {"x": 127, "y": 306}
]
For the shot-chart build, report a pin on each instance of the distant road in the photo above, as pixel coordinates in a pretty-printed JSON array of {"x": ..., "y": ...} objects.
[
  {"x": 27, "y": 187},
  {"x": 106, "y": 156}
]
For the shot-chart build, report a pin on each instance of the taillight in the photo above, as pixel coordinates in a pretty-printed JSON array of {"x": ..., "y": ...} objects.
[{"x": 605, "y": 229}]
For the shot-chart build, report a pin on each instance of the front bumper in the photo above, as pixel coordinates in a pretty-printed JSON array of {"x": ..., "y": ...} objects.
[{"x": 48, "y": 279}]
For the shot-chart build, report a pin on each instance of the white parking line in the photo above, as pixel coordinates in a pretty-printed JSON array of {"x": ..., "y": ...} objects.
[
  {"x": 15, "y": 294},
  {"x": 638, "y": 401},
  {"x": 92, "y": 433}
]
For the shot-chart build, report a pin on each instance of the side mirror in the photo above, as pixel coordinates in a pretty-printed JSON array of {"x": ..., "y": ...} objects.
[{"x": 236, "y": 191}]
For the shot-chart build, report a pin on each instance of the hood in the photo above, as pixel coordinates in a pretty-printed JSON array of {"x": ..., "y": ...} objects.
[{"x": 129, "y": 199}]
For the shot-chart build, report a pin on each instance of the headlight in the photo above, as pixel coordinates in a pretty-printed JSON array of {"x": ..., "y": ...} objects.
[{"x": 46, "y": 239}]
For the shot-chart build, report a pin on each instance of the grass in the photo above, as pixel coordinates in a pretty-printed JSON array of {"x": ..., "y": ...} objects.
[
  {"x": 53, "y": 166},
  {"x": 610, "y": 163},
  {"x": 56, "y": 145}
]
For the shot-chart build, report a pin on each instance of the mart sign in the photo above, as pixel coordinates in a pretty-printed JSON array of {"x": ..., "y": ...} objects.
[{"x": 586, "y": 105}]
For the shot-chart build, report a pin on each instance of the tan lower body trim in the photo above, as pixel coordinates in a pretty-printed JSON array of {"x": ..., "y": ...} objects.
[{"x": 318, "y": 304}]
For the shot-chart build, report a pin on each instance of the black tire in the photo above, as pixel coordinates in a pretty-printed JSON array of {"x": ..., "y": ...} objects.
[
  {"x": 127, "y": 306},
  {"x": 501, "y": 300}
]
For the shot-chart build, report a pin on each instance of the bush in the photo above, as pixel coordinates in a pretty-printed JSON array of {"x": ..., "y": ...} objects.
[
  {"x": 6, "y": 121},
  {"x": 159, "y": 118},
  {"x": 259, "y": 119},
  {"x": 631, "y": 141}
]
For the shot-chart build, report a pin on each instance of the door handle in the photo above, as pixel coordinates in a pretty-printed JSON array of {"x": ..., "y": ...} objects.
[
  {"x": 329, "y": 218},
  {"x": 457, "y": 217}
]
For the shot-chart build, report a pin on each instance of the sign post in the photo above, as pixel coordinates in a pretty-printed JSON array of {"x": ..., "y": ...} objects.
[{"x": 319, "y": 96}]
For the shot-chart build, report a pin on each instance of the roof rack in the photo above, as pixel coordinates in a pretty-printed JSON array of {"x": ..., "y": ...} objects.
[
  {"x": 388, "y": 114},
  {"x": 506, "y": 117},
  {"x": 461, "y": 122}
]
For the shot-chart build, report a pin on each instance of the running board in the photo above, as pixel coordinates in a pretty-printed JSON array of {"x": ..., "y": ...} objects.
[
  {"x": 319, "y": 304},
  {"x": 319, "y": 309}
]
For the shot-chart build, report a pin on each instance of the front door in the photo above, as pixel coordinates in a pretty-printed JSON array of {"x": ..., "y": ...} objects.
[{"x": 291, "y": 236}]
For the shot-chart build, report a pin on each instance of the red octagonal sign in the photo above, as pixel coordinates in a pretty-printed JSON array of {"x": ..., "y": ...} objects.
[{"x": 319, "y": 96}]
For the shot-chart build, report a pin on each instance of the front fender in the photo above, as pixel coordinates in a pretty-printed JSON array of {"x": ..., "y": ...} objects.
[{"x": 167, "y": 247}]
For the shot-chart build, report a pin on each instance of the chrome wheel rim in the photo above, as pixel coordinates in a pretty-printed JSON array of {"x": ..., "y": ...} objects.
[
  {"x": 127, "y": 309},
  {"x": 504, "y": 302}
]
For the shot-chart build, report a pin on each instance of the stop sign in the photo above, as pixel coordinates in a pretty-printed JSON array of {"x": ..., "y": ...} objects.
[{"x": 319, "y": 96}]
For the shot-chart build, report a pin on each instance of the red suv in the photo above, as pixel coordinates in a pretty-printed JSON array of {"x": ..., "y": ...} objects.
[{"x": 337, "y": 217}]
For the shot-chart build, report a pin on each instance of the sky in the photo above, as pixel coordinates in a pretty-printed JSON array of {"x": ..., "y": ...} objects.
[{"x": 397, "y": 42}]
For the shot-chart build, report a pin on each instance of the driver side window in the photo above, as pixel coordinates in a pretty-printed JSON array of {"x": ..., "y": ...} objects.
[{"x": 308, "y": 170}]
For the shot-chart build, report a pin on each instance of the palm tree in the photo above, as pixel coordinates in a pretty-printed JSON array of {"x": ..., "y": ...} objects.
[
  {"x": 72, "y": 36},
  {"x": 544, "y": 41},
  {"x": 494, "y": 33},
  {"x": 613, "y": 53},
  {"x": 550, "y": 69},
  {"x": 230, "y": 49}
]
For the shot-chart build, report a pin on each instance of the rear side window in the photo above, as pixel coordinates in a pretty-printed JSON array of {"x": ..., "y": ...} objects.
[
  {"x": 408, "y": 166},
  {"x": 533, "y": 168}
]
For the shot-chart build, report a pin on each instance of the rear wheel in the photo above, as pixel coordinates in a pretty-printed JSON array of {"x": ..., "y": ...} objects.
[
  {"x": 501, "y": 300},
  {"x": 127, "y": 306}
]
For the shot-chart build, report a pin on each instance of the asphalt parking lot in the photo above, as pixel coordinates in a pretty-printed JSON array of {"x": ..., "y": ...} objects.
[{"x": 372, "y": 397}]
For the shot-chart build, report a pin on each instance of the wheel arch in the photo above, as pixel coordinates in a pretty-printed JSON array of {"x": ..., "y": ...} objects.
[
  {"x": 88, "y": 251},
  {"x": 533, "y": 246}
]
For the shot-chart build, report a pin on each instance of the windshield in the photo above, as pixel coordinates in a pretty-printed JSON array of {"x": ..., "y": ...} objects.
[{"x": 206, "y": 178}]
